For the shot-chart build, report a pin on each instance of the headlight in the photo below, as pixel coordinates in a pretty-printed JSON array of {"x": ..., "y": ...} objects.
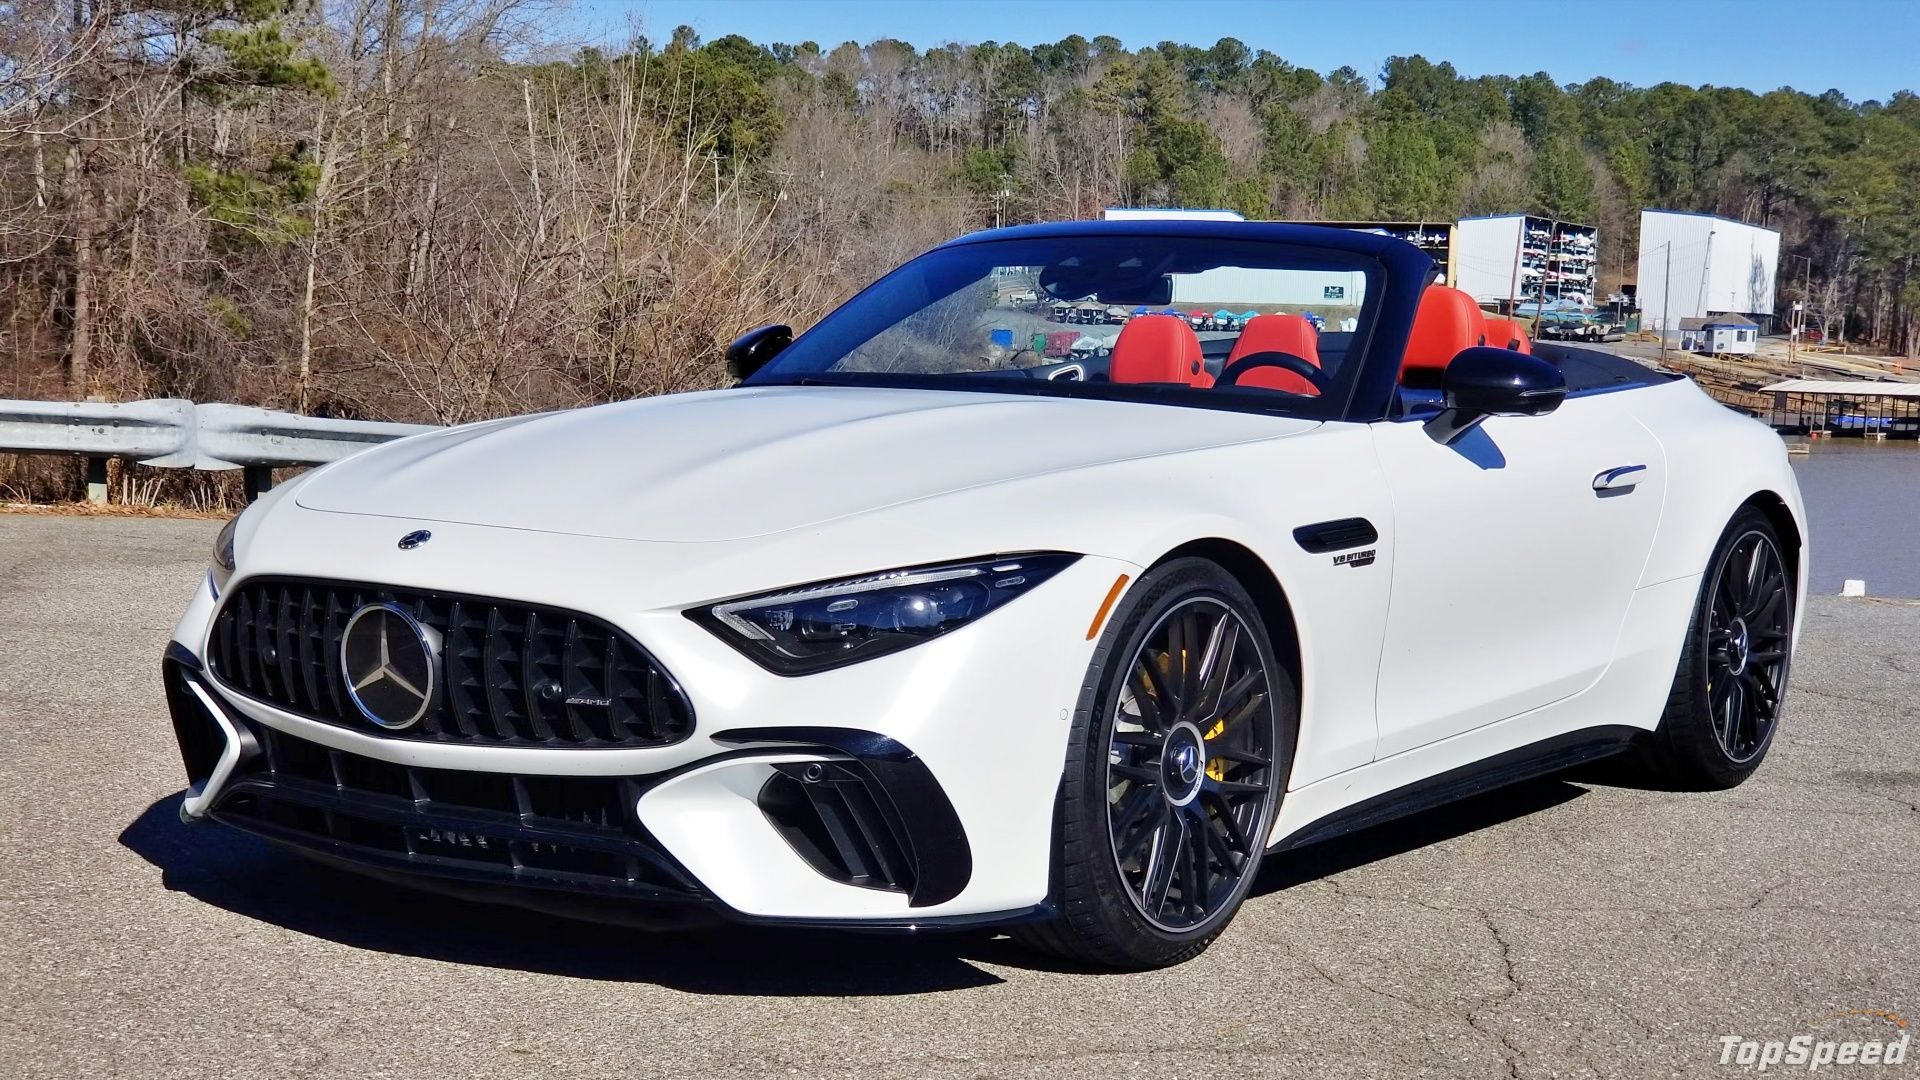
[
  {"x": 223, "y": 559},
  {"x": 815, "y": 627}
]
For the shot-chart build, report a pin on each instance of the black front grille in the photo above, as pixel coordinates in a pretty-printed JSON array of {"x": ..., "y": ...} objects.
[
  {"x": 580, "y": 833},
  {"x": 513, "y": 674}
]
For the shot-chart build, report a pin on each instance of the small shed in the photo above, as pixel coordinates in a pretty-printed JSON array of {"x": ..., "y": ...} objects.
[{"x": 1719, "y": 334}]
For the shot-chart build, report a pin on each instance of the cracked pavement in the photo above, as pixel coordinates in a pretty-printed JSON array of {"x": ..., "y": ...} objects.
[{"x": 1565, "y": 927}]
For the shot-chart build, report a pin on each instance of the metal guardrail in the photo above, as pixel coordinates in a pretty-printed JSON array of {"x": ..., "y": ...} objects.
[{"x": 179, "y": 434}]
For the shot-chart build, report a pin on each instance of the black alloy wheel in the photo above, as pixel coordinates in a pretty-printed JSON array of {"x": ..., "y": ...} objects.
[
  {"x": 1724, "y": 708},
  {"x": 1176, "y": 765},
  {"x": 1189, "y": 764},
  {"x": 1748, "y": 628}
]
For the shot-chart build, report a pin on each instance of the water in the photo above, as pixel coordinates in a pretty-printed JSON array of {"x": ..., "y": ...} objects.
[{"x": 1863, "y": 511}]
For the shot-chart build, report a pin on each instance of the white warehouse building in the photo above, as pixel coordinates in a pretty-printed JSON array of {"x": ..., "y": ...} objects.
[{"x": 1719, "y": 267}]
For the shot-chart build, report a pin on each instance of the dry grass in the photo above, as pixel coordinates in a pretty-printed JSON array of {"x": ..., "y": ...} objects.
[{"x": 112, "y": 510}]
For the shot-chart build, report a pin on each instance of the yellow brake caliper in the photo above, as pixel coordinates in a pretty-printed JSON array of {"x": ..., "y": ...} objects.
[{"x": 1217, "y": 767}]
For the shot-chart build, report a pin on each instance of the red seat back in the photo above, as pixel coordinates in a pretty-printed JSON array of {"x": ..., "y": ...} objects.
[
  {"x": 1446, "y": 322},
  {"x": 1507, "y": 334},
  {"x": 1158, "y": 349},
  {"x": 1277, "y": 333}
]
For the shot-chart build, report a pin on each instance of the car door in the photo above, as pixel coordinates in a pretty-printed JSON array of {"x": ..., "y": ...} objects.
[{"x": 1512, "y": 570}]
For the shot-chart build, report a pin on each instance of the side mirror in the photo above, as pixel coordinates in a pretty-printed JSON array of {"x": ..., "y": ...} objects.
[
  {"x": 1482, "y": 382},
  {"x": 751, "y": 350}
]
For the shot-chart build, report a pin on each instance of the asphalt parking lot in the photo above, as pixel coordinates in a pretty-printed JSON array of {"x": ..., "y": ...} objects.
[{"x": 1560, "y": 928}]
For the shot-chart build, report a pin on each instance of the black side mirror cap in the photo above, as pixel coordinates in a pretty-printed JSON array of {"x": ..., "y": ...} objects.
[
  {"x": 1482, "y": 382},
  {"x": 752, "y": 350}
]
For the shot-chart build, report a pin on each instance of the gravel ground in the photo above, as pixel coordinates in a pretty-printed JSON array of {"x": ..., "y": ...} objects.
[{"x": 1563, "y": 927}]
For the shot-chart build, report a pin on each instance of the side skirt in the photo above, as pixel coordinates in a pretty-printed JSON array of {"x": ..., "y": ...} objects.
[{"x": 1522, "y": 763}]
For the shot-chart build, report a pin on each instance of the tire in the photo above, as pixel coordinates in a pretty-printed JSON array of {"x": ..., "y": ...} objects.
[
  {"x": 1157, "y": 747},
  {"x": 1732, "y": 677}
]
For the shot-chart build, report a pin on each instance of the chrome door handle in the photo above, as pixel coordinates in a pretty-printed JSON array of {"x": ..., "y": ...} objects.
[{"x": 1618, "y": 478}]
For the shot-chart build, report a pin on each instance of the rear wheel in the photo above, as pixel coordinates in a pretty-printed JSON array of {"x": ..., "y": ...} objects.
[
  {"x": 1179, "y": 753},
  {"x": 1732, "y": 677}
]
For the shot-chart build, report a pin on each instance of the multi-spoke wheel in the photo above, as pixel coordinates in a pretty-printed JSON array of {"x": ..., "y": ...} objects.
[
  {"x": 1189, "y": 761},
  {"x": 1179, "y": 754},
  {"x": 1732, "y": 676},
  {"x": 1748, "y": 628}
]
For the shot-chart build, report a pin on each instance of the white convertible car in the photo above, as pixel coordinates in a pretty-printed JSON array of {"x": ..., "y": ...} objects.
[{"x": 922, "y": 626}]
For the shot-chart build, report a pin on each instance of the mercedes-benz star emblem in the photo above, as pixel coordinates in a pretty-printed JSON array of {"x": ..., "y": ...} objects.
[
  {"x": 414, "y": 539},
  {"x": 392, "y": 665},
  {"x": 1188, "y": 762}
]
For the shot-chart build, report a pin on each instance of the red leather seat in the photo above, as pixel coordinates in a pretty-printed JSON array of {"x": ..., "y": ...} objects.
[
  {"x": 1158, "y": 349},
  {"x": 1277, "y": 333},
  {"x": 1446, "y": 322},
  {"x": 1507, "y": 334}
]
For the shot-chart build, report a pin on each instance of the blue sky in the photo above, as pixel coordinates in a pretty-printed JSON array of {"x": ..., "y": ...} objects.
[{"x": 1864, "y": 48}]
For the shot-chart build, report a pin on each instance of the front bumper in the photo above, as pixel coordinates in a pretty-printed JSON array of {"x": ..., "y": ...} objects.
[{"x": 912, "y": 790}]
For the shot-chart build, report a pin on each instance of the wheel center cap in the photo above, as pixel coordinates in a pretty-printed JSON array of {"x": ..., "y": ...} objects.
[
  {"x": 1183, "y": 764},
  {"x": 1739, "y": 645}
]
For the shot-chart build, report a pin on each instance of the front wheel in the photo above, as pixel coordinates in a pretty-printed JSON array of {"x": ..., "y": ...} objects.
[
  {"x": 1179, "y": 753},
  {"x": 1732, "y": 677}
]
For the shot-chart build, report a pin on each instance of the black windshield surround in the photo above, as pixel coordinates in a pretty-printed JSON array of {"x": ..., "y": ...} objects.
[{"x": 1395, "y": 273}]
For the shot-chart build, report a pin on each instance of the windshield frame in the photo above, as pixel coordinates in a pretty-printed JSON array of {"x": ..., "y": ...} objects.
[{"x": 1397, "y": 269}]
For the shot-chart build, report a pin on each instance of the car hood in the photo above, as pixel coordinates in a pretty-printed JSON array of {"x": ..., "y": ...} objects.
[{"x": 732, "y": 464}]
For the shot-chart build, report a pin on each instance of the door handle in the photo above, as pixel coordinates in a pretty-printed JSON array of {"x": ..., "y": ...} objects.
[{"x": 1618, "y": 478}]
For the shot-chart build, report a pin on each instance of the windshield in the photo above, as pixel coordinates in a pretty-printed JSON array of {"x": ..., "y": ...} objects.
[{"x": 1170, "y": 319}]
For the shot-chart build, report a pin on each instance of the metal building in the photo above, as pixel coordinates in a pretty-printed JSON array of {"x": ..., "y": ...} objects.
[
  {"x": 1696, "y": 265},
  {"x": 1522, "y": 257}
]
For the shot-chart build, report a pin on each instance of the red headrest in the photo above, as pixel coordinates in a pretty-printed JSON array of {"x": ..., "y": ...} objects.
[
  {"x": 1447, "y": 321},
  {"x": 1278, "y": 333},
  {"x": 1158, "y": 349},
  {"x": 1507, "y": 334}
]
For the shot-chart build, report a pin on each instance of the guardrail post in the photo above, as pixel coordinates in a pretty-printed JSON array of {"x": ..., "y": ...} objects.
[
  {"x": 97, "y": 481},
  {"x": 258, "y": 480}
]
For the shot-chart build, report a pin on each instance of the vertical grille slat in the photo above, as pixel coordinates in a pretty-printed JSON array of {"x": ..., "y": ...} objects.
[
  {"x": 531, "y": 678},
  {"x": 333, "y": 618},
  {"x": 283, "y": 645},
  {"x": 303, "y": 633},
  {"x": 570, "y": 686},
  {"x": 278, "y": 640},
  {"x": 458, "y": 669}
]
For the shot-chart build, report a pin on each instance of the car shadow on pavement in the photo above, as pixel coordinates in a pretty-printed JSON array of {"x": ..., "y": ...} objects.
[
  {"x": 244, "y": 874},
  {"x": 1285, "y": 869}
]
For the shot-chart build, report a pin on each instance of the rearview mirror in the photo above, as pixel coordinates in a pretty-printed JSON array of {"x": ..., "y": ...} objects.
[
  {"x": 1482, "y": 382},
  {"x": 751, "y": 350}
]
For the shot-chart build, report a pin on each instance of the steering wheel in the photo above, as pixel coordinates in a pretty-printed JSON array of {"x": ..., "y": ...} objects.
[{"x": 1285, "y": 360}]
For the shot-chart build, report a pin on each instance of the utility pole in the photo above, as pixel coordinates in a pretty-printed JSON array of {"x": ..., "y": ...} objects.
[
  {"x": 1513, "y": 287},
  {"x": 1666, "y": 301},
  {"x": 1797, "y": 322}
]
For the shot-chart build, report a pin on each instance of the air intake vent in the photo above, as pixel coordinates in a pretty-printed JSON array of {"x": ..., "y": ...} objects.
[
  {"x": 573, "y": 832},
  {"x": 841, "y": 823}
]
